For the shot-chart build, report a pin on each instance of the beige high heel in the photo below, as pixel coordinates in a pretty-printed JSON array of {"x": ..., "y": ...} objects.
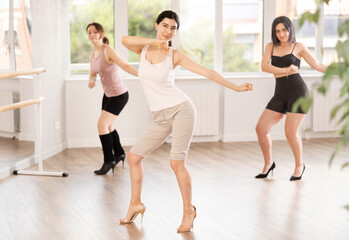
[
  {"x": 140, "y": 210},
  {"x": 192, "y": 224}
]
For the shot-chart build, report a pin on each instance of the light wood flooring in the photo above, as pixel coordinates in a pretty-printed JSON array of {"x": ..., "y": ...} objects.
[{"x": 231, "y": 203}]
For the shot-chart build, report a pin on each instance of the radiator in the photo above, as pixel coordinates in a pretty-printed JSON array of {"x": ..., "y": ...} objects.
[
  {"x": 207, "y": 107},
  {"x": 6, "y": 118},
  {"x": 322, "y": 108}
]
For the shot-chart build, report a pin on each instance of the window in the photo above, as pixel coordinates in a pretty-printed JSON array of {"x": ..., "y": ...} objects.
[
  {"x": 15, "y": 34},
  {"x": 4, "y": 35},
  {"x": 22, "y": 35},
  {"x": 141, "y": 19},
  {"x": 83, "y": 12},
  {"x": 237, "y": 48},
  {"x": 197, "y": 30},
  {"x": 242, "y": 35},
  {"x": 335, "y": 13}
]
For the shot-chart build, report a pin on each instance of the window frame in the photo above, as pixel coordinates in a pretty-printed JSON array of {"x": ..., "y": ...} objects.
[
  {"x": 269, "y": 12},
  {"x": 11, "y": 46}
]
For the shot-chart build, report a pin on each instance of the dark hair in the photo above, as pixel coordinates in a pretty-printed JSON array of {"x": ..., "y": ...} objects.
[
  {"x": 100, "y": 29},
  {"x": 288, "y": 24},
  {"x": 171, "y": 15},
  {"x": 168, "y": 14}
]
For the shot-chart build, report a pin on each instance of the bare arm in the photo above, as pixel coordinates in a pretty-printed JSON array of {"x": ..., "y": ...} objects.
[
  {"x": 136, "y": 44},
  {"x": 181, "y": 59},
  {"x": 92, "y": 76},
  {"x": 313, "y": 62},
  {"x": 112, "y": 55},
  {"x": 267, "y": 67}
]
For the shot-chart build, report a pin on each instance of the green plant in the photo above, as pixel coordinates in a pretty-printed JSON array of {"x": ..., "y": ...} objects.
[{"x": 340, "y": 69}]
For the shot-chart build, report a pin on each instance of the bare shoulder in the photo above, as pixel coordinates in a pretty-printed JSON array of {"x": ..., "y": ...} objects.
[
  {"x": 301, "y": 49},
  {"x": 300, "y": 46},
  {"x": 269, "y": 46},
  {"x": 108, "y": 48},
  {"x": 177, "y": 56}
]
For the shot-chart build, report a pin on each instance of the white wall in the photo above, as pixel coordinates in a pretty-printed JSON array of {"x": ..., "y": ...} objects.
[
  {"x": 239, "y": 115},
  {"x": 50, "y": 40}
]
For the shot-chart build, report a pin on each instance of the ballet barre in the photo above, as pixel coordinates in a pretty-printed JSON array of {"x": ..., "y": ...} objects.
[
  {"x": 38, "y": 121},
  {"x": 21, "y": 104},
  {"x": 20, "y": 73}
]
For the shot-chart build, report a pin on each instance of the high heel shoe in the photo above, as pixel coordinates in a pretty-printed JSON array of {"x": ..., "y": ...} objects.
[
  {"x": 293, "y": 178},
  {"x": 120, "y": 158},
  {"x": 261, "y": 175},
  {"x": 105, "y": 168},
  {"x": 140, "y": 210},
  {"x": 186, "y": 229}
]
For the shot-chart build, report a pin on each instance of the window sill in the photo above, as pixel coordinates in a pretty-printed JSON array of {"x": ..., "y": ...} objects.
[{"x": 240, "y": 75}]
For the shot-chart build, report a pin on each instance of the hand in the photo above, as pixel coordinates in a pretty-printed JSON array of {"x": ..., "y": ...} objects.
[
  {"x": 163, "y": 45},
  {"x": 91, "y": 84},
  {"x": 292, "y": 69},
  {"x": 245, "y": 87}
]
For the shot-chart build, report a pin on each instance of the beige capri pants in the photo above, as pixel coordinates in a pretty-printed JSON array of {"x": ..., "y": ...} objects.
[{"x": 178, "y": 120}]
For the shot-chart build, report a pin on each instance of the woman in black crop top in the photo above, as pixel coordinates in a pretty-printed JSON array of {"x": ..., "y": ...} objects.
[{"x": 282, "y": 58}]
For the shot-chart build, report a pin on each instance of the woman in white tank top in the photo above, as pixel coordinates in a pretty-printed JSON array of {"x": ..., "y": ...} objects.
[{"x": 167, "y": 102}]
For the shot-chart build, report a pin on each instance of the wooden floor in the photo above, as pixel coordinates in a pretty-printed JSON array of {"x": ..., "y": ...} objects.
[
  {"x": 231, "y": 203},
  {"x": 12, "y": 151}
]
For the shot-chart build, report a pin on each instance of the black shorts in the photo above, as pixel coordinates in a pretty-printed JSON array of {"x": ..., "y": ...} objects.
[
  {"x": 114, "y": 105},
  {"x": 287, "y": 91}
]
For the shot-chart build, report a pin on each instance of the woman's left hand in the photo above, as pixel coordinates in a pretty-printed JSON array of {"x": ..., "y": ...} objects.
[{"x": 245, "y": 87}]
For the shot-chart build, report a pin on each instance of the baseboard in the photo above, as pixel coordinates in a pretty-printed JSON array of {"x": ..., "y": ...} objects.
[
  {"x": 97, "y": 143},
  {"x": 22, "y": 164},
  {"x": 199, "y": 139},
  {"x": 275, "y": 137},
  {"x": 249, "y": 137},
  {"x": 26, "y": 137},
  {"x": 30, "y": 161},
  {"x": 8, "y": 134}
]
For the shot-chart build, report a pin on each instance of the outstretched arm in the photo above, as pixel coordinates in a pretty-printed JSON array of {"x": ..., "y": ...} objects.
[
  {"x": 136, "y": 44},
  {"x": 115, "y": 57},
  {"x": 313, "y": 62},
  {"x": 181, "y": 59}
]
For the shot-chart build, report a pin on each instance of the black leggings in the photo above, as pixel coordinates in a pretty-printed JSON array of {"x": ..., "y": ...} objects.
[
  {"x": 287, "y": 91},
  {"x": 114, "y": 105}
]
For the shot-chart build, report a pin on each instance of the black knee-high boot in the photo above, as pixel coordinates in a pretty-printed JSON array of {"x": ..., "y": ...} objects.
[
  {"x": 118, "y": 150},
  {"x": 109, "y": 159}
]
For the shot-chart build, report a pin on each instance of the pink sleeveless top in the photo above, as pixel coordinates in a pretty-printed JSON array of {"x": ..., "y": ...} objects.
[{"x": 112, "y": 85}]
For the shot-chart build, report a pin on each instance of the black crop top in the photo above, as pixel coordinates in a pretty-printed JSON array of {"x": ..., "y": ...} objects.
[{"x": 286, "y": 60}]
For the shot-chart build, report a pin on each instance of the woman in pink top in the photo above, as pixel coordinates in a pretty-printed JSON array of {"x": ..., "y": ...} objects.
[
  {"x": 104, "y": 61},
  {"x": 172, "y": 111}
]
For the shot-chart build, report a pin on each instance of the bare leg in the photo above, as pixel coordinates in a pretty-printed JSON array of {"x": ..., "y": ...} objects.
[
  {"x": 105, "y": 121},
  {"x": 267, "y": 120},
  {"x": 292, "y": 124},
  {"x": 136, "y": 175},
  {"x": 184, "y": 183}
]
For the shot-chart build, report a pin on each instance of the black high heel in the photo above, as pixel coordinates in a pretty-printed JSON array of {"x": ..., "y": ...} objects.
[
  {"x": 105, "y": 168},
  {"x": 120, "y": 158},
  {"x": 261, "y": 175},
  {"x": 293, "y": 178}
]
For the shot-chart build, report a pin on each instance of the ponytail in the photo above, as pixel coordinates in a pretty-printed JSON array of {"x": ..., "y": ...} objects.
[{"x": 105, "y": 40}]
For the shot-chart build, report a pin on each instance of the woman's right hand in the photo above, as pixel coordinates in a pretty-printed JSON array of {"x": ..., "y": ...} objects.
[
  {"x": 163, "y": 45},
  {"x": 245, "y": 87}
]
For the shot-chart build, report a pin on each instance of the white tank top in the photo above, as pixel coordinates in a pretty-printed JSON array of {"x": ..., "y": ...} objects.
[{"x": 158, "y": 82}]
